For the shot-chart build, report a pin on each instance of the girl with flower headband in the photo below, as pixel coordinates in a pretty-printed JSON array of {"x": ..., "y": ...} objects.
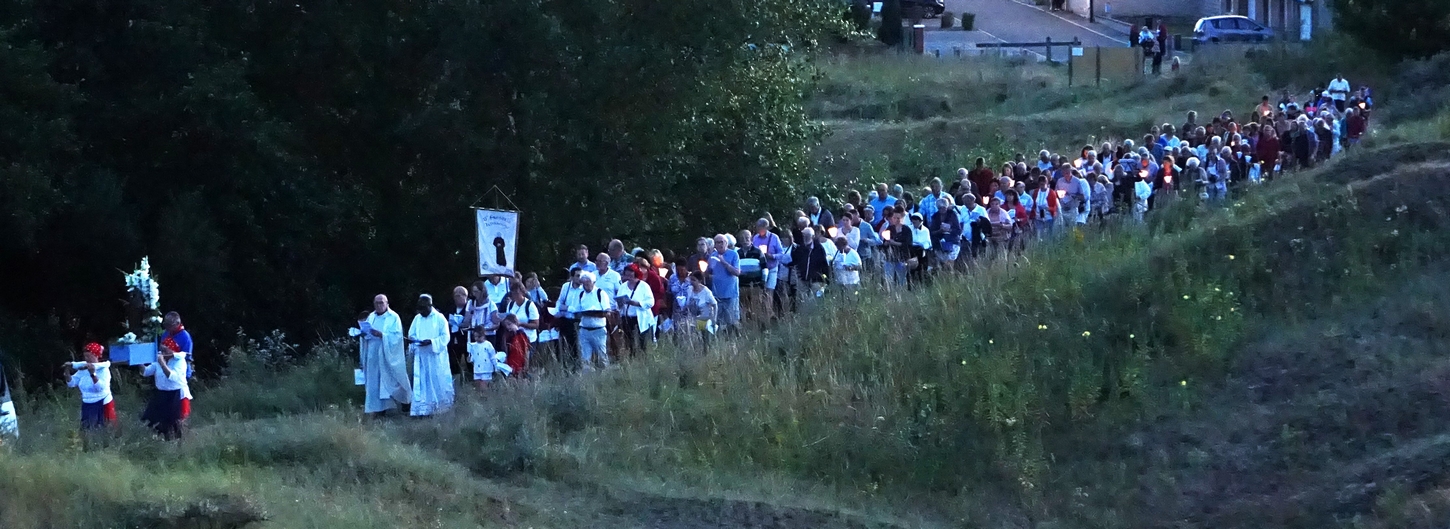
[
  {"x": 93, "y": 378},
  {"x": 164, "y": 410}
]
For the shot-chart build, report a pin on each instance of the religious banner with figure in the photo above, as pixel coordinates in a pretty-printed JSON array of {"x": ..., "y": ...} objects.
[{"x": 498, "y": 233}]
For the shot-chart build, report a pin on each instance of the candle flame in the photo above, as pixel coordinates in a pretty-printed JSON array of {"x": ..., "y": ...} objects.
[
  {"x": 831, "y": 231},
  {"x": 704, "y": 266},
  {"x": 886, "y": 234}
]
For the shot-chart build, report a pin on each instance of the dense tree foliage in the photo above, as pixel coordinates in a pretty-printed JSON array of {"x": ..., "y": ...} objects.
[
  {"x": 1400, "y": 28},
  {"x": 283, "y": 161}
]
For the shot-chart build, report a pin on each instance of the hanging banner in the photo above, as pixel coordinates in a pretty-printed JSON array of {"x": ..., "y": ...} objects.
[{"x": 498, "y": 233}]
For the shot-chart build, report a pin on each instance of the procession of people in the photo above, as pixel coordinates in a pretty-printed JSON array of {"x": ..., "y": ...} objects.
[{"x": 621, "y": 304}]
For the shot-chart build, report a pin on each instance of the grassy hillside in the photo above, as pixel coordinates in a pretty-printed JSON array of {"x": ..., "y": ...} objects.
[{"x": 1275, "y": 362}]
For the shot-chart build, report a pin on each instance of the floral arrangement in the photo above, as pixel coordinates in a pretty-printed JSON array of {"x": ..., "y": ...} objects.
[{"x": 144, "y": 295}]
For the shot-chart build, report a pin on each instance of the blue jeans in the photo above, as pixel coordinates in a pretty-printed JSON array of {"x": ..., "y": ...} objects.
[
  {"x": 593, "y": 342},
  {"x": 895, "y": 273}
]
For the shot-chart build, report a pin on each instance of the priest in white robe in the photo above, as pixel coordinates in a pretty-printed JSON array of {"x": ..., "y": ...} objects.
[
  {"x": 432, "y": 372},
  {"x": 384, "y": 364}
]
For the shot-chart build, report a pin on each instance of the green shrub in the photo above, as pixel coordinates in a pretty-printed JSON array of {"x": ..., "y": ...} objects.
[
  {"x": 947, "y": 19},
  {"x": 969, "y": 21}
]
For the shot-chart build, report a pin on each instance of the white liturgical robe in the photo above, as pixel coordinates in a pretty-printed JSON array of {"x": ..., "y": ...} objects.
[{"x": 432, "y": 372}]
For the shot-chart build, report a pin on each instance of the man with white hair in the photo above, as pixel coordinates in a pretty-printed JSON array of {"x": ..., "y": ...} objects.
[
  {"x": 820, "y": 218},
  {"x": 591, "y": 306},
  {"x": 810, "y": 261},
  {"x": 608, "y": 280},
  {"x": 1044, "y": 161},
  {"x": 432, "y": 374},
  {"x": 384, "y": 364},
  {"x": 724, "y": 270}
]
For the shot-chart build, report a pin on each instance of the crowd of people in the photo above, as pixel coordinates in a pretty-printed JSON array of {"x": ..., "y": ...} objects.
[{"x": 617, "y": 304}]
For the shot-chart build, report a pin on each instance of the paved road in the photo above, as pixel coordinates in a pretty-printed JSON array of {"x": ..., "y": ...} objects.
[{"x": 1010, "y": 21}]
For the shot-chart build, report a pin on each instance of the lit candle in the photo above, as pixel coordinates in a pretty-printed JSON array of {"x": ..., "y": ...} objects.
[
  {"x": 886, "y": 234},
  {"x": 704, "y": 266},
  {"x": 1061, "y": 193},
  {"x": 831, "y": 231},
  {"x": 1077, "y": 164},
  {"x": 762, "y": 248},
  {"x": 1143, "y": 173}
]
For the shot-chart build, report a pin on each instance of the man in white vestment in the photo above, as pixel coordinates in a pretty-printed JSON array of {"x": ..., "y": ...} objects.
[
  {"x": 432, "y": 374},
  {"x": 385, "y": 367}
]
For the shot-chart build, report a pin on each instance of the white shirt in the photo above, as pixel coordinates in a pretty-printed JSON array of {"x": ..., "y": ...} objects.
[
  {"x": 921, "y": 237},
  {"x": 496, "y": 293},
  {"x": 844, "y": 259},
  {"x": 176, "y": 380},
  {"x": 641, "y": 294},
  {"x": 853, "y": 237},
  {"x": 481, "y": 317},
  {"x": 1339, "y": 89},
  {"x": 700, "y": 303},
  {"x": 526, "y": 312},
  {"x": 92, "y": 391},
  {"x": 609, "y": 283},
  {"x": 567, "y": 292},
  {"x": 587, "y": 301}
]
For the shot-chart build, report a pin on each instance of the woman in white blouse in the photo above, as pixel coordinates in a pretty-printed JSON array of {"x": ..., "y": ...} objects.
[
  {"x": 93, "y": 378},
  {"x": 163, "y": 411}
]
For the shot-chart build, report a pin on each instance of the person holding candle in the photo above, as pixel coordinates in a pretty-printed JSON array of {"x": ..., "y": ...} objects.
[
  {"x": 1073, "y": 195},
  {"x": 701, "y": 305},
  {"x": 768, "y": 244},
  {"x": 724, "y": 269},
  {"x": 811, "y": 263},
  {"x": 93, "y": 378},
  {"x": 896, "y": 247}
]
